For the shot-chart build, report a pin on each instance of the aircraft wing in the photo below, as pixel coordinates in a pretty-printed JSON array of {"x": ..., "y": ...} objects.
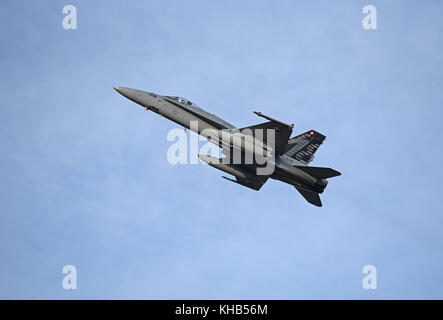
[{"x": 282, "y": 132}]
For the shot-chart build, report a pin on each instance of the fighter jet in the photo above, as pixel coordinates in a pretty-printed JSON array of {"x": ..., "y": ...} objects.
[{"x": 289, "y": 156}]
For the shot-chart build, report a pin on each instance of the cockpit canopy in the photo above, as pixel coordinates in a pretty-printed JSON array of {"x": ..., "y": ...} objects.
[{"x": 183, "y": 100}]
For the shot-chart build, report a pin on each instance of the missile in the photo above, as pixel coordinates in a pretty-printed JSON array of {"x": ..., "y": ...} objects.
[{"x": 217, "y": 163}]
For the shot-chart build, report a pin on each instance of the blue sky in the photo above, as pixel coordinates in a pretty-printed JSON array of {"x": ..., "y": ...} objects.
[{"x": 84, "y": 178}]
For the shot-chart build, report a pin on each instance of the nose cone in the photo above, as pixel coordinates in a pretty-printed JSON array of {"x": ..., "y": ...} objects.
[
  {"x": 138, "y": 96},
  {"x": 129, "y": 93}
]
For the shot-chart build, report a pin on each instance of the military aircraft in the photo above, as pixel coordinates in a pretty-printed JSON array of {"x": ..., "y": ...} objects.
[{"x": 290, "y": 156}]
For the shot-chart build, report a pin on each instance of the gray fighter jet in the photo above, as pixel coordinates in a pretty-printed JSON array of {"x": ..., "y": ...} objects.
[{"x": 290, "y": 156}]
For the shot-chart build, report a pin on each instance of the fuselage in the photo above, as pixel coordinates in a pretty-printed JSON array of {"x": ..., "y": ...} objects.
[{"x": 184, "y": 112}]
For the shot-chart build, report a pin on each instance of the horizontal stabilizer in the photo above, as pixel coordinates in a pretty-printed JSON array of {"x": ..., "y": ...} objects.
[
  {"x": 319, "y": 172},
  {"x": 310, "y": 196}
]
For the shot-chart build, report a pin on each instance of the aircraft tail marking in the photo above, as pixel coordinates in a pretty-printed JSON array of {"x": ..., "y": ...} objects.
[{"x": 303, "y": 146}]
